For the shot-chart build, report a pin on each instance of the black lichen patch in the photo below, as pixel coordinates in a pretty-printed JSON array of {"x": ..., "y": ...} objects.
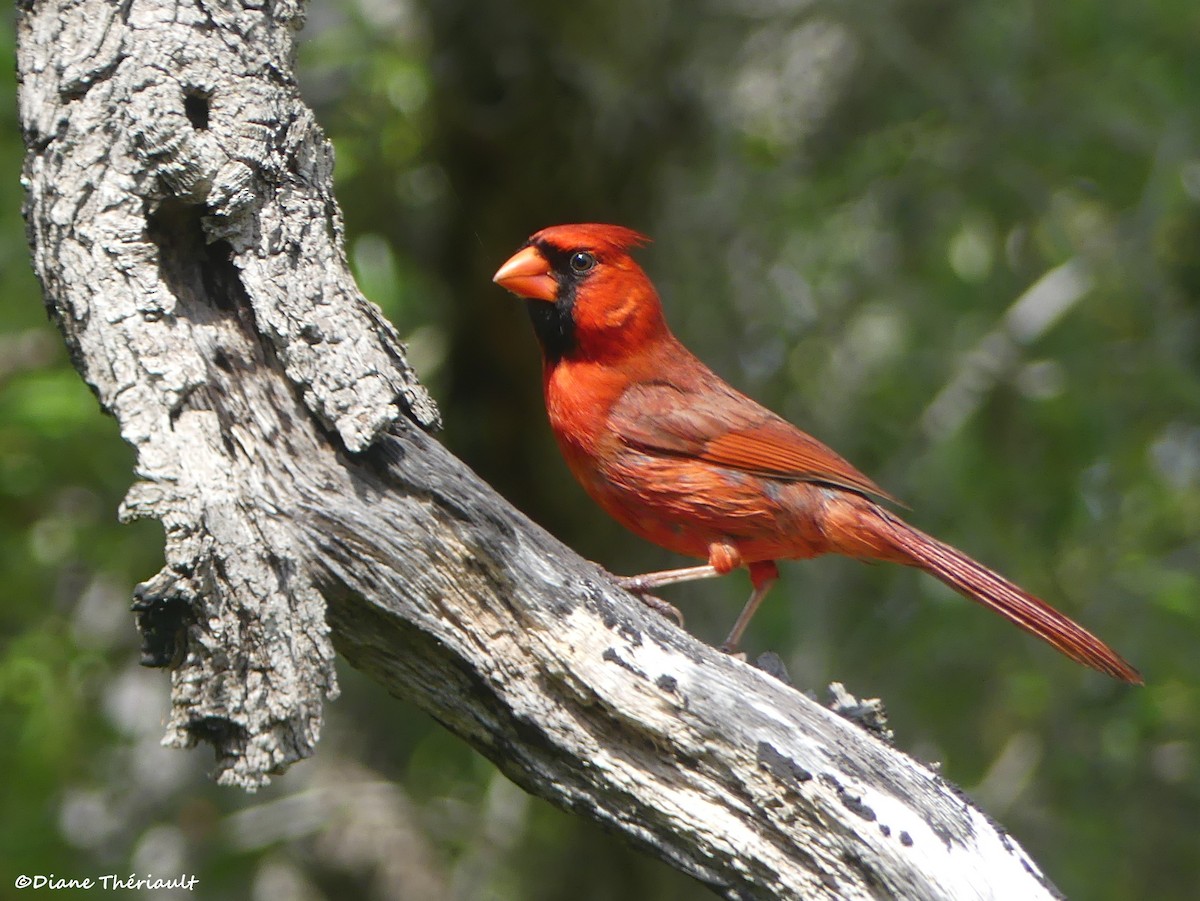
[
  {"x": 611, "y": 656},
  {"x": 613, "y": 621},
  {"x": 779, "y": 765},
  {"x": 630, "y": 634},
  {"x": 667, "y": 683},
  {"x": 851, "y": 802},
  {"x": 856, "y": 806}
]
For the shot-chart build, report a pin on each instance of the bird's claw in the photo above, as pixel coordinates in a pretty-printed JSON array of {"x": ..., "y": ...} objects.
[
  {"x": 658, "y": 605},
  {"x": 639, "y": 586}
]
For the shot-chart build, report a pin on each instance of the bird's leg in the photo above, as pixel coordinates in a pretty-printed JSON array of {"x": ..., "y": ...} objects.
[
  {"x": 641, "y": 586},
  {"x": 763, "y": 575}
]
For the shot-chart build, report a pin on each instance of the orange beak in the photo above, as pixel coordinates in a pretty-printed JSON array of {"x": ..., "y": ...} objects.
[{"x": 527, "y": 274}]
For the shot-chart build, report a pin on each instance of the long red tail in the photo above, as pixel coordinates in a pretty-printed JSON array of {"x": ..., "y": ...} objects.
[{"x": 977, "y": 582}]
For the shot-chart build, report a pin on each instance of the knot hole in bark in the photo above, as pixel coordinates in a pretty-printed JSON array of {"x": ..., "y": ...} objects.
[
  {"x": 196, "y": 107},
  {"x": 207, "y": 293},
  {"x": 163, "y": 616},
  {"x": 200, "y": 274}
]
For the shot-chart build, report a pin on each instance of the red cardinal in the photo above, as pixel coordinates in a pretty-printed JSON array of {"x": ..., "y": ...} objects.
[{"x": 687, "y": 462}]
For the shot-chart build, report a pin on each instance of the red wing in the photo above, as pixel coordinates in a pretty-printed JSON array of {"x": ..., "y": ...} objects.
[
  {"x": 710, "y": 421},
  {"x": 779, "y": 450}
]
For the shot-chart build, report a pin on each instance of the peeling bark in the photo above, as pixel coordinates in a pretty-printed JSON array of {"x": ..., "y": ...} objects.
[{"x": 182, "y": 222}]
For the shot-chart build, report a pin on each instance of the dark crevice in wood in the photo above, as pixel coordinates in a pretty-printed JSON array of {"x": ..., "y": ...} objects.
[{"x": 196, "y": 107}]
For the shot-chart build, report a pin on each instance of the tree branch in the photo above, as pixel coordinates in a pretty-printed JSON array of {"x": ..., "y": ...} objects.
[{"x": 182, "y": 222}]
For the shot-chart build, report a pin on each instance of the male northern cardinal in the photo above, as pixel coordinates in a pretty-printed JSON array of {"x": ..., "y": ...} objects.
[{"x": 687, "y": 462}]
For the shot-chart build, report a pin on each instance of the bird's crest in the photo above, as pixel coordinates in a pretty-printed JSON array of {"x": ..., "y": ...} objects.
[{"x": 594, "y": 236}]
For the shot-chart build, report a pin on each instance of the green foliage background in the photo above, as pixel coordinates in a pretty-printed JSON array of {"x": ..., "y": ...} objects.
[{"x": 847, "y": 200}]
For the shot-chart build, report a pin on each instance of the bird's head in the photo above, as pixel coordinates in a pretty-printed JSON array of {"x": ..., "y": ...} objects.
[{"x": 587, "y": 297}]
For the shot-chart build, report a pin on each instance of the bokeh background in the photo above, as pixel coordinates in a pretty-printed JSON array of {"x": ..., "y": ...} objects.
[{"x": 960, "y": 242}]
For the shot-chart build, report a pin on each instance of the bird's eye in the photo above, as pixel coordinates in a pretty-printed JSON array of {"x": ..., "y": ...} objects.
[{"x": 582, "y": 261}]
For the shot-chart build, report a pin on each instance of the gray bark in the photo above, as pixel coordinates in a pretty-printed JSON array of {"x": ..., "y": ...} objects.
[{"x": 182, "y": 223}]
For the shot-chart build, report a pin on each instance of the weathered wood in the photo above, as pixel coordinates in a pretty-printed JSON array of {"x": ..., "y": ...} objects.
[
  {"x": 182, "y": 223},
  {"x": 183, "y": 226}
]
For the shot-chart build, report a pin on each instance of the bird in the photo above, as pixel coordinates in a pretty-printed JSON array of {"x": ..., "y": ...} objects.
[{"x": 684, "y": 460}]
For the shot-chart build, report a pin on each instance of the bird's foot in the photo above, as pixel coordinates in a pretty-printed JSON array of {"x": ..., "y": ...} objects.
[
  {"x": 638, "y": 585},
  {"x": 658, "y": 605}
]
